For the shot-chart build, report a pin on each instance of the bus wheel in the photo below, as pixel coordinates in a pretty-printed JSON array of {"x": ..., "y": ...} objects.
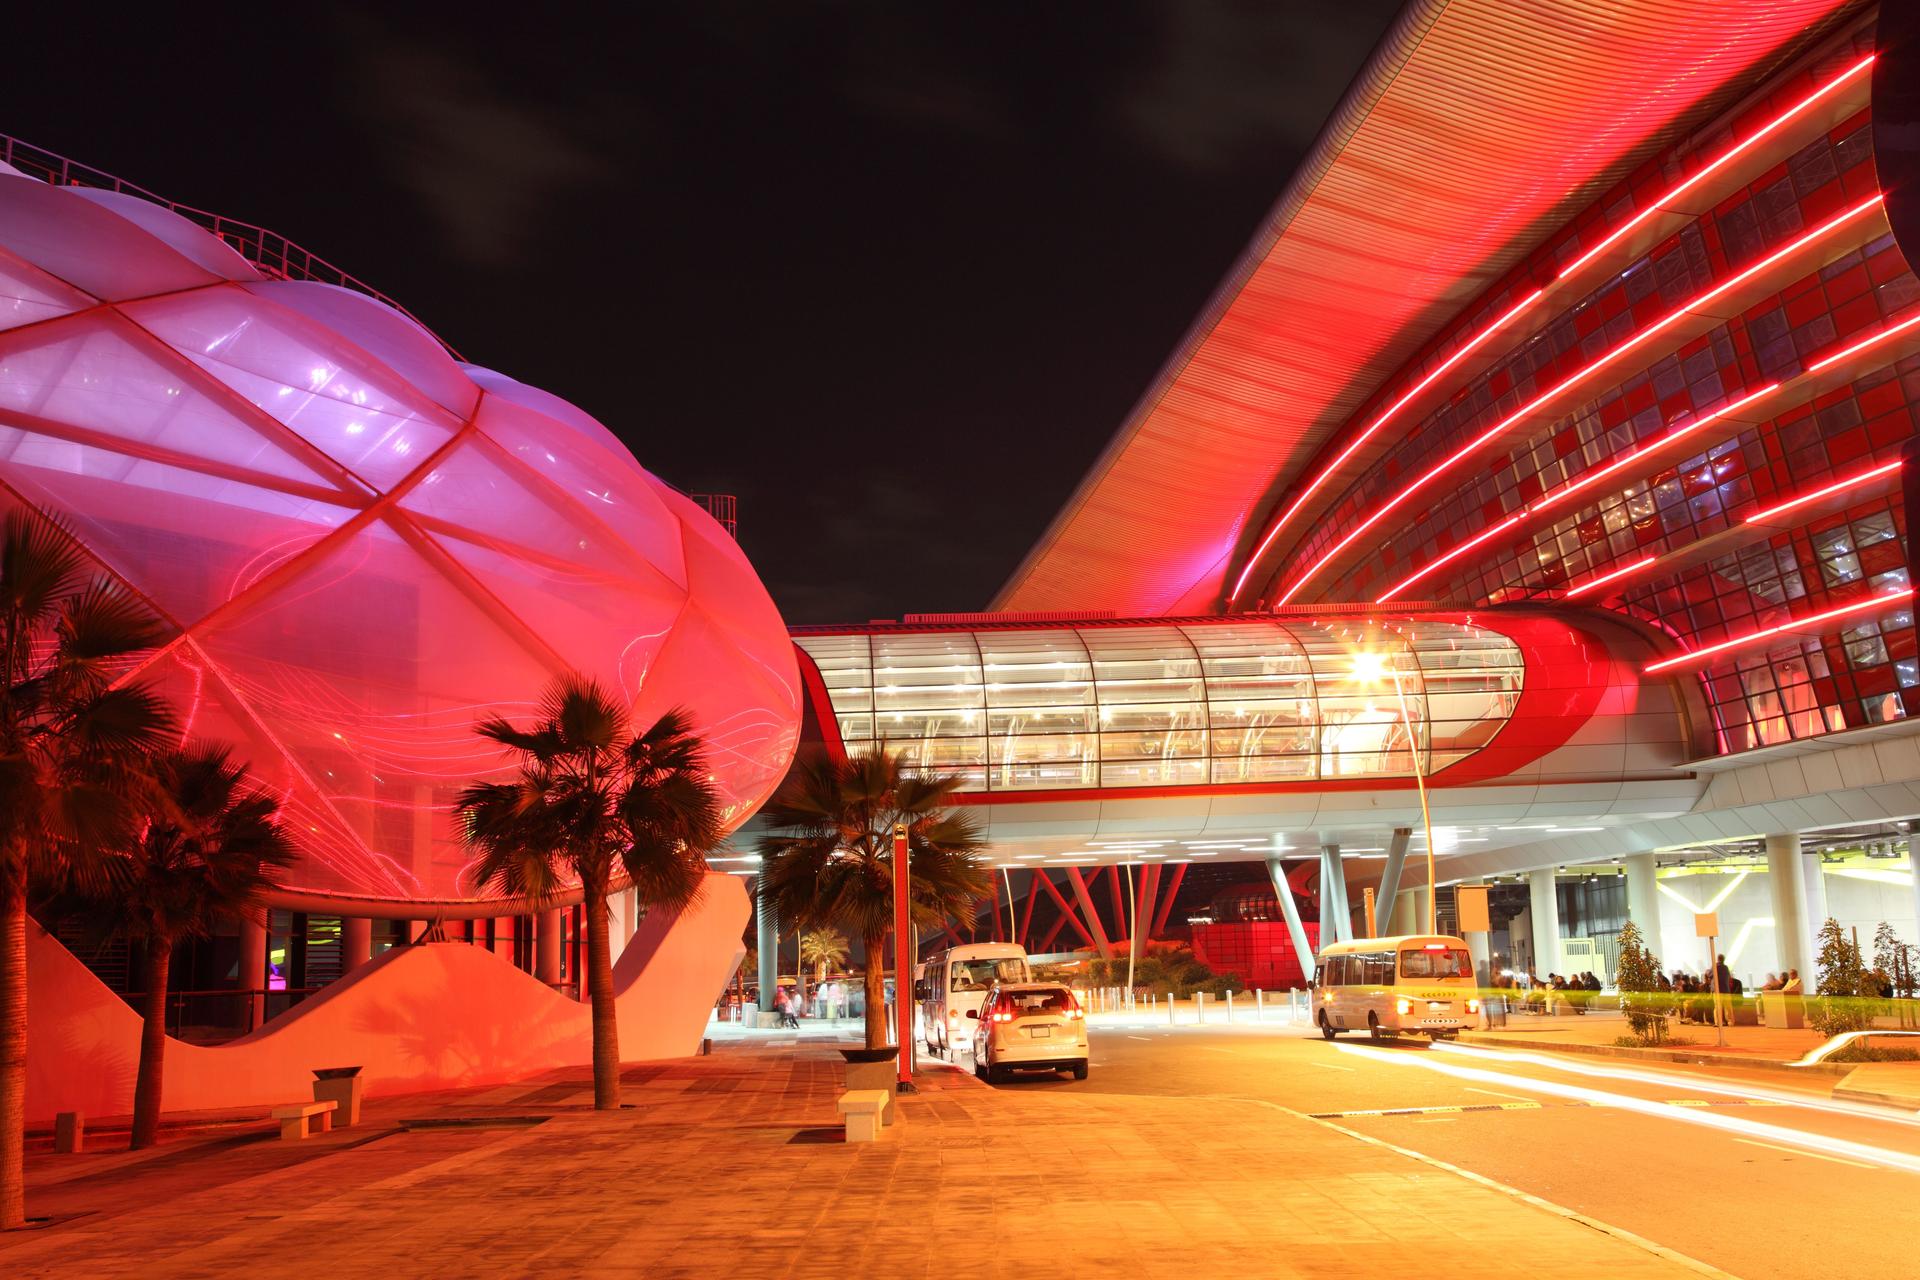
[
  {"x": 1373, "y": 1028},
  {"x": 1326, "y": 1028}
]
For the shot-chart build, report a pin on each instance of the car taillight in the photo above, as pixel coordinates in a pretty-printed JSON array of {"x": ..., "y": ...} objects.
[
  {"x": 1403, "y": 1005},
  {"x": 1075, "y": 1011},
  {"x": 1003, "y": 1017}
]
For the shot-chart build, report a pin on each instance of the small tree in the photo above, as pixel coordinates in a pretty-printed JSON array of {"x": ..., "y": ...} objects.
[
  {"x": 828, "y": 857},
  {"x": 824, "y": 949},
  {"x": 211, "y": 848},
  {"x": 73, "y": 744},
  {"x": 596, "y": 801},
  {"x": 1638, "y": 979},
  {"x": 1847, "y": 999},
  {"x": 1895, "y": 959}
]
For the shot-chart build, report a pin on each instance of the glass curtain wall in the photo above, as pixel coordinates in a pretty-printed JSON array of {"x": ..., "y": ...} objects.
[{"x": 1163, "y": 704}]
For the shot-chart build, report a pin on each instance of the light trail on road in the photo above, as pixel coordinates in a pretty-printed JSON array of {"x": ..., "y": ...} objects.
[
  {"x": 1753, "y": 1093},
  {"x": 1731, "y": 1125}
]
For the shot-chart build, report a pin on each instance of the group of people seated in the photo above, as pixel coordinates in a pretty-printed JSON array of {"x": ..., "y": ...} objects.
[{"x": 1558, "y": 993}]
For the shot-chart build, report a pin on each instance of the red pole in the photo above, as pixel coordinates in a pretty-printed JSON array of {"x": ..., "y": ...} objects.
[{"x": 903, "y": 957}]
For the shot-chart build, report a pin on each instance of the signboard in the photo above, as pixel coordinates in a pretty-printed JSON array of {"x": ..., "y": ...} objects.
[
  {"x": 1470, "y": 904},
  {"x": 1706, "y": 924}
]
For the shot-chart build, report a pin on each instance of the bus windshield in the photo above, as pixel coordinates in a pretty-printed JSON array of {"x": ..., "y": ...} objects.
[
  {"x": 1449, "y": 962},
  {"x": 978, "y": 975}
]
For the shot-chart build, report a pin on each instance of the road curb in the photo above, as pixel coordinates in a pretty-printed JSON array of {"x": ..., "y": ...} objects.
[{"x": 1689, "y": 1057}]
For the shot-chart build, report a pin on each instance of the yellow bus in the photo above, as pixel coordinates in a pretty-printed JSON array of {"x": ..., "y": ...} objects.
[{"x": 1422, "y": 983}]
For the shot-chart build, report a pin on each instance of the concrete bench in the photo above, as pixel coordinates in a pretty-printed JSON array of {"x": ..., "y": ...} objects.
[
  {"x": 304, "y": 1119},
  {"x": 862, "y": 1109}
]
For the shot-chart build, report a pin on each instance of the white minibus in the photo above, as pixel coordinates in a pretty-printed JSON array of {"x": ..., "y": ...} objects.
[
  {"x": 956, "y": 981},
  {"x": 1421, "y": 983}
]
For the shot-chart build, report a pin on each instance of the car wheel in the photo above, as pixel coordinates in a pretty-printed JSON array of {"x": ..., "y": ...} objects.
[
  {"x": 1326, "y": 1028},
  {"x": 1373, "y": 1028},
  {"x": 1079, "y": 1071}
]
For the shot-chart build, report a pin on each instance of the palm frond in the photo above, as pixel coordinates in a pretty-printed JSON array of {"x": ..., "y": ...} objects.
[{"x": 40, "y": 564}]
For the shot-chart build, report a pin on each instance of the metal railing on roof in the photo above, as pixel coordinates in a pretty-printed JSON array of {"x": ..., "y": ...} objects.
[{"x": 274, "y": 254}]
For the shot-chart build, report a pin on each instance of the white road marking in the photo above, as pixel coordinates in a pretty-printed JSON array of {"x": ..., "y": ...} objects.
[
  {"x": 1495, "y": 1093},
  {"x": 1330, "y": 1066},
  {"x": 1795, "y": 1151},
  {"x": 1730, "y": 1125},
  {"x": 1605, "y": 1228},
  {"x": 1136, "y": 1037}
]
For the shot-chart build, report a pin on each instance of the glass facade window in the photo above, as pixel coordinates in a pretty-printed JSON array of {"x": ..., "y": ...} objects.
[
  {"x": 1189, "y": 704},
  {"x": 1675, "y": 527}
]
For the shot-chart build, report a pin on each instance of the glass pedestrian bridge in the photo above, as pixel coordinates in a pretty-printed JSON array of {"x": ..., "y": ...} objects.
[{"x": 1189, "y": 703}]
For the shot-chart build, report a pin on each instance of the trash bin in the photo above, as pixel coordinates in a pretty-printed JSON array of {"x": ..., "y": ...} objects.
[{"x": 343, "y": 1087}]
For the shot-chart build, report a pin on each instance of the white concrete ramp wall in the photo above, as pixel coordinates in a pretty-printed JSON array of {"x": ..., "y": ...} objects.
[{"x": 417, "y": 1018}]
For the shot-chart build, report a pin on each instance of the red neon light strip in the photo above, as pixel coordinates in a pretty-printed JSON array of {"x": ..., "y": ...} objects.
[
  {"x": 1605, "y": 578},
  {"x": 1656, "y": 206},
  {"x": 1731, "y": 153},
  {"x": 1792, "y": 624},
  {"x": 1393, "y": 592},
  {"x": 1634, "y": 455},
  {"x": 1573, "y": 379},
  {"x": 1327, "y": 471},
  {"x": 1863, "y": 344},
  {"x": 1817, "y": 494}
]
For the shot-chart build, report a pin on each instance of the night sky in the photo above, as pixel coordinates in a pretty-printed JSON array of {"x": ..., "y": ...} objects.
[{"x": 893, "y": 274}]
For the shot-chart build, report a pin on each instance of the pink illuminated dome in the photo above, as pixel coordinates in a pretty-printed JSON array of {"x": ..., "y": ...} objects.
[{"x": 360, "y": 545}]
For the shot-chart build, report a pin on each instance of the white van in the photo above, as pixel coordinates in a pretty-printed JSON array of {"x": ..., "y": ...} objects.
[
  {"x": 1385, "y": 986},
  {"x": 955, "y": 983}
]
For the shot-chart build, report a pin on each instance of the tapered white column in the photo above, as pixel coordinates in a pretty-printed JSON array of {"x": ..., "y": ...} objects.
[
  {"x": 1792, "y": 930},
  {"x": 1545, "y": 903}
]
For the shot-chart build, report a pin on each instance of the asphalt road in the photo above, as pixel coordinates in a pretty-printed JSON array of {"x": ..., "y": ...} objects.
[{"x": 1747, "y": 1171}]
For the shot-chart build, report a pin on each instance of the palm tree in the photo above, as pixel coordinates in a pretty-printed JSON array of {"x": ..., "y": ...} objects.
[
  {"x": 211, "y": 848},
  {"x": 829, "y": 858},
  {"x": 71, "y": 747},
  {"x": 824, "y": 949},
  {"x": 595, "y": 802}
]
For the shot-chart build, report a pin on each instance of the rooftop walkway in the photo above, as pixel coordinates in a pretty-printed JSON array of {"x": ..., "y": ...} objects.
[{"x": 732, "y": 1164}]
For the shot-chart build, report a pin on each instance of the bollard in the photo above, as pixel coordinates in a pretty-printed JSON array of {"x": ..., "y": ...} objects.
[
  {"x": 1259, "y": 1005},
  {"x": 1229, "y": 1006},
  {"x": 1169, "y": 1008},
  {"x": 706, "y": 1045},
  {"x": 69, "y": 1133},
  {"x": 1199, "y": 1008}
]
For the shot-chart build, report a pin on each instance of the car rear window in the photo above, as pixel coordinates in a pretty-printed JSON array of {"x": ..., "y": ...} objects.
[
  {"x": 1022, "y": 1003},
  {"x": 1450, "y": 963}
]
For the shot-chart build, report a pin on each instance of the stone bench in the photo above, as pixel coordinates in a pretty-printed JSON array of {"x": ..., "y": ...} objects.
[
  {"x": 304, "y": 1119},
  {"x": 862, "y": 1111}
]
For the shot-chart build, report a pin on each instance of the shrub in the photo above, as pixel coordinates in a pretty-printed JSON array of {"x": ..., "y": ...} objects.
[
  {"x": 1641, "y": 999},
  {"x": 1848, "y": 997}
]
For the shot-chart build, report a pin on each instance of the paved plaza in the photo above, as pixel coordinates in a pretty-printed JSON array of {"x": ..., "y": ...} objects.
[{"x": 733, "y": 1164}]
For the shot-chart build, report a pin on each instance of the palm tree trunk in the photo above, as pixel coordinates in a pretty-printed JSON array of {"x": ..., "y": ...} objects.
[
  {"x": 876, "y": 983},
  {"x": 153, "y": 1045},
  {"x": 13, "y": 1043},
  {"x": 606, "y": 1030}
]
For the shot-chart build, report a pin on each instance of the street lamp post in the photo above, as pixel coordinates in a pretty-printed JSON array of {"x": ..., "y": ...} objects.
[
  {"x": 903, "y": 957},
  {"x": 1367, "y": 666}
]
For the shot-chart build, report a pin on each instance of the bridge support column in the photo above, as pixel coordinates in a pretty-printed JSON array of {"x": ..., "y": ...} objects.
[
  {"x": 1288, "y": 908},
  {"x": 1386, "y": 895},
  {"x": 1643, "y": 898},
  {"x": 1334, "y": 873},
  {"x": 767, "y": 944}
]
